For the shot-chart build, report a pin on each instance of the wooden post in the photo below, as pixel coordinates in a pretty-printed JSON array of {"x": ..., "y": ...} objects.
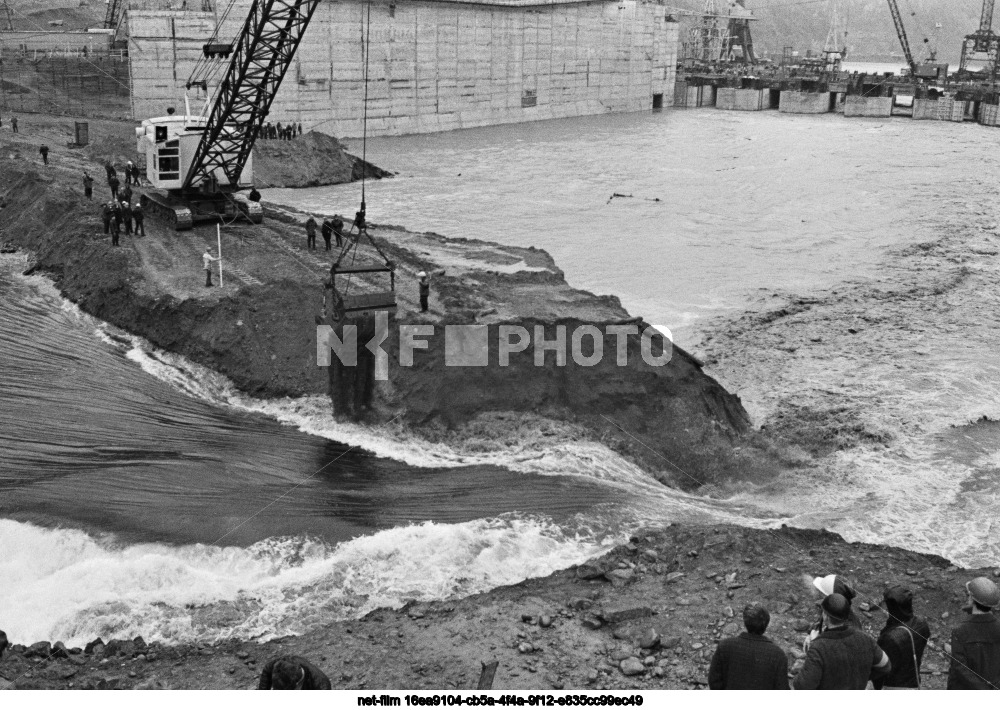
[
  {"x": 218, "y": 234},
  {"x": 486, "y": 675}
]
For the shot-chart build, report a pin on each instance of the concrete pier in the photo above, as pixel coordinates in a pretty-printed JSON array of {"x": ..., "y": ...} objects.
[
  {"x": 868, "y": 107},
  {"x": 692, "y": 96},
  {"x": 742, "y": 99},
  {"x": 939, "y": 110},
  {"x": 989, "y": 115},
  {"x": 806, "y": 102}
]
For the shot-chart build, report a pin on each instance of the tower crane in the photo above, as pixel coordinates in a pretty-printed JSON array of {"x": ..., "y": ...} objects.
[
  {"x": 198, "y": 165},
  {"x": 983, "y": 41}
]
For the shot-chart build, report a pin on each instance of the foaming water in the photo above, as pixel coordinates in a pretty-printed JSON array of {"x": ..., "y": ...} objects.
[{"x": 65, "y": 584}]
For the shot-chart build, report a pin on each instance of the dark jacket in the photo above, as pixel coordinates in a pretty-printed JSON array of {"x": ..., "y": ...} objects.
[
  {"x": 315, "y": 679},
  {"x": 748, "y": 662},
  {"x": 327, "y": 229},
  {"x": 842, "y": 658},
  {"x": 900, "y": 649},
  {"x": 311, "y": 227},
  {"x": 975, "y": 654}
]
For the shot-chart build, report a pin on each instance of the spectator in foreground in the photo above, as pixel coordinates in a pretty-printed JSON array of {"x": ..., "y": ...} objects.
[
  {"x": 292, "y": 673},
  {"x": 903, "y": 639},
  {"x": 841, "y": 657},
  {"x": 750, "y": 661},
  {"x": 975, "y": 644}
]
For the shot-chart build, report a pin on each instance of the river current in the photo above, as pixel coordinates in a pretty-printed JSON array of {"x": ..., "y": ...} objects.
[{"x": 142, "y": 494}]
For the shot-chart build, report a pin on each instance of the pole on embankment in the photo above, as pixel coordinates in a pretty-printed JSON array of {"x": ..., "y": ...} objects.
[{"x": 218, "y": 236}]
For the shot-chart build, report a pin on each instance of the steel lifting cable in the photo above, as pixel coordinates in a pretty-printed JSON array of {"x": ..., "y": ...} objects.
[{"x": 203, "y": 65}]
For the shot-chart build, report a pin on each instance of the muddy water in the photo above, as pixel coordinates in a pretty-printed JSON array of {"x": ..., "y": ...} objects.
[{"x": 723, "y": 206}]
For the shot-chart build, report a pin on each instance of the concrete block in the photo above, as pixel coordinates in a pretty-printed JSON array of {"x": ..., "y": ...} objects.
[
  {"x": 804, "y": 102},
  {"x": 868, "y": 106},
  {"x": 728, "y": 99}
]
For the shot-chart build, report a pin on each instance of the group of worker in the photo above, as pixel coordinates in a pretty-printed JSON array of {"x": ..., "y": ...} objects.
[
  {"x": 121, "y": 216},
  {"x": 271, "y": 131},
  {"x": 839, "y": 655},
  {"x": 330, "y": 229}
]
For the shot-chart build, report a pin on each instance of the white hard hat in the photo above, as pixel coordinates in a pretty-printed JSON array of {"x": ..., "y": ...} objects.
[
  {"x": 825, "y": 584},
  {"x": 422, "y": 274}
]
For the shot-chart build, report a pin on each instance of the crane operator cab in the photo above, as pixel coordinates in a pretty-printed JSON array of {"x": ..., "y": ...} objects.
[{"x": 169, "y": 144}]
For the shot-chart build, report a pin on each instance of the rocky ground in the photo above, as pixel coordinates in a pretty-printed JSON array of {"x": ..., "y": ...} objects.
[{"x": 647, "y": 615}]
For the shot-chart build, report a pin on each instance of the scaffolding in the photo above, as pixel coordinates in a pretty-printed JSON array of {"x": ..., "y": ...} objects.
[{"x": 67, "y": 82}]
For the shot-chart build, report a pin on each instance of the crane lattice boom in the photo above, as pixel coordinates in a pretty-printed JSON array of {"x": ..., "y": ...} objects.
[
  {"x": 986, "y": 19},
  {"x": 897, "y": 19},
  {"x": 262, "y": 55}
]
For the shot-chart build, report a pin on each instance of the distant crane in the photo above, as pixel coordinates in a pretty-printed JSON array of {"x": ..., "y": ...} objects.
[
  {"x": 983, "y": 41},
  {"x": 835, "y": 47},
  {"x": 113, "y": 14},
  {"x": 897, "y": 19}
]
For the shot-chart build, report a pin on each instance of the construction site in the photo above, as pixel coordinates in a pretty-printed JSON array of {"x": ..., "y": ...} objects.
[{"x": 719, "y": 68}]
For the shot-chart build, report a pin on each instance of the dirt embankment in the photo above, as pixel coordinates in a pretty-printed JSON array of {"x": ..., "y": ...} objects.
[
  {"x": 647, "y": 615},
  {"x": 260, "y": 329},
  {"x": 310, "y": 160}
]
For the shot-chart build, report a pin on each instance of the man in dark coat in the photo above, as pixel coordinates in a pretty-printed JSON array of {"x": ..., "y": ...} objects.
[
  {"x": 903, "y": 639},
  {"x": 292, "y": 673},
  {"x": 127, "y": 217},
  {"x": 338, "y": 229},
  {"x": 113, "y": 183},
  {"x": 310, "y": 233},
  {"x": 975, "y": 645},
  {"x": 327, "y": 231},
  {"x": 107, "y": 214},
  {"x": 44, "y": 151},
  {"x": 116, "y": 223},
  {"x": 750, "y": 661},
  {"x": 88, "y": 185},
  {"x": 138, "y": 217},
  {"x": 841, "y": 657}
]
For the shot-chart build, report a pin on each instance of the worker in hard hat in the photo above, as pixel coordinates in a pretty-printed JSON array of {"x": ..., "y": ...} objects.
[
  {"x": 975, "y": 645},
  {"x": 825, "y": 586}
]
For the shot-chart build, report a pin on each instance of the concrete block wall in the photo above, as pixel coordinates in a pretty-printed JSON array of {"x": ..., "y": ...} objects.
[
  {"x": 804, "y": 102},
  {"x": 868, "y": 106},
  {"x": 729, "y": 99},
  {"x": 989, "y": 115},
  {"x": 939, "y": 110},
  {"x": 434, "y": 65}
]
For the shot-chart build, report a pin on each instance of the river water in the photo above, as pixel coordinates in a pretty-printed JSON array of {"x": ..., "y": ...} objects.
[{"x": 141, "y": 494}]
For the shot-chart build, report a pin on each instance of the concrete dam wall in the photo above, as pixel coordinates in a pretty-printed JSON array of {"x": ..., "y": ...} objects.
[{"x": 432, "y": 65}]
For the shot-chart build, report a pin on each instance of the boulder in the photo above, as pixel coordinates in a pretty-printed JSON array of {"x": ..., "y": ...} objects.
[
  {"x": 590, "y": 570},
  {"x": 59, "y": 650},
  {"x": 649, "y": 639},
  {"x": 580, "y": 604},
  {"x": 632, "y": 666},
  {"x": 42, "y": 649},
  {"x": 620, "y": 576},
  {"x": 117, "y": 647},
  {"x": 592, "y": 623},
  {"x": 89, "y": 648}
]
